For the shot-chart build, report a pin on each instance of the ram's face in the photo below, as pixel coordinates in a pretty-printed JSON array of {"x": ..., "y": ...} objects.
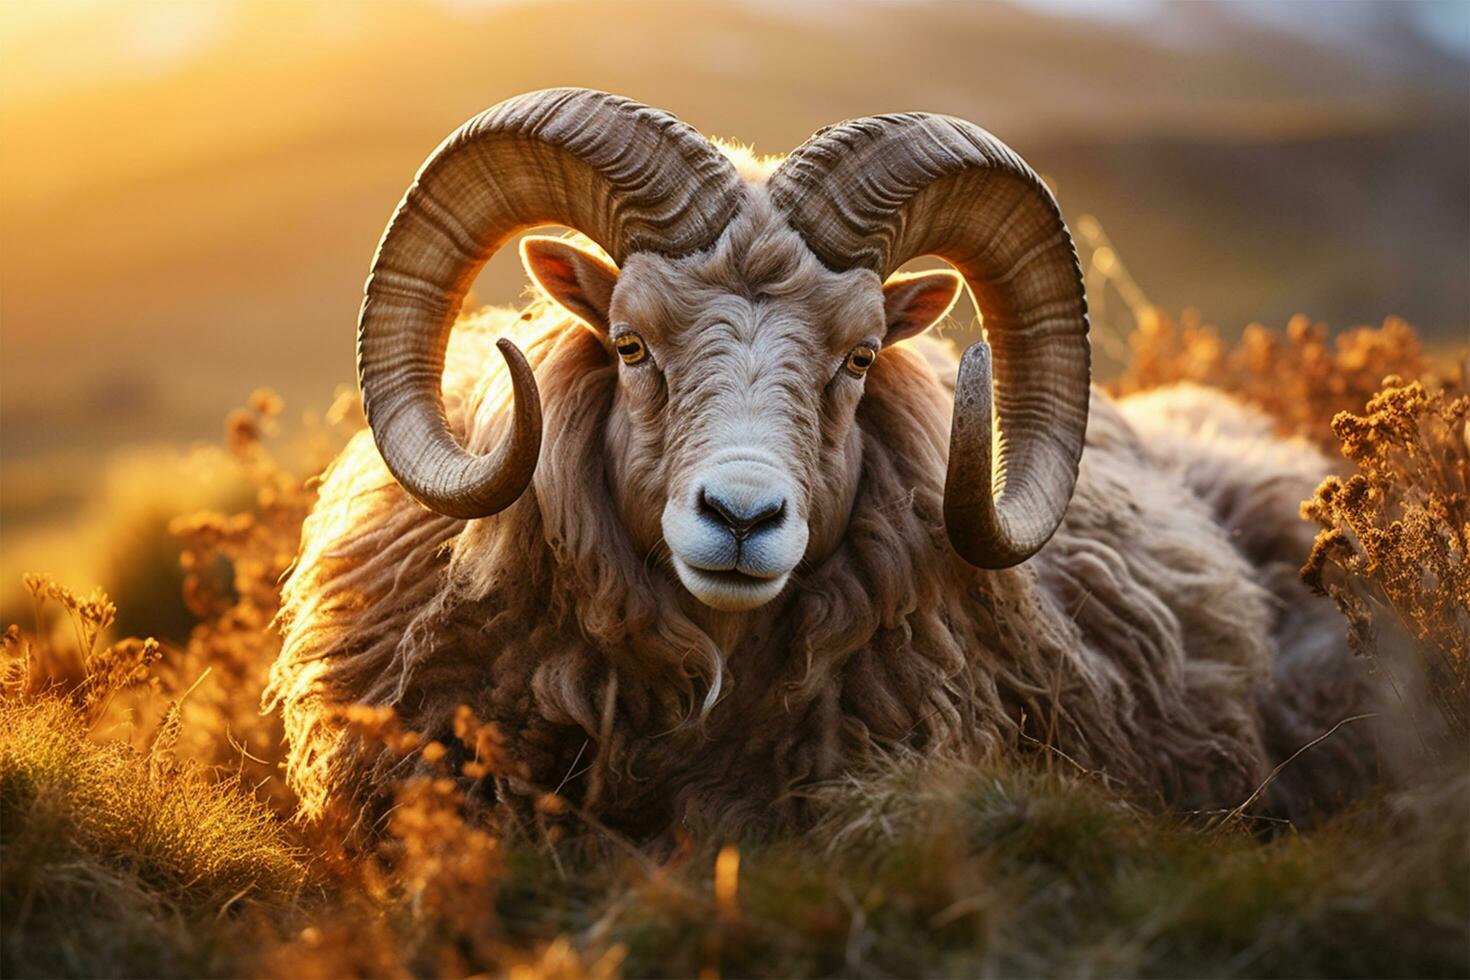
[
  {"x": 742, "y": 351},
  {"x": 732, "y": 443}
]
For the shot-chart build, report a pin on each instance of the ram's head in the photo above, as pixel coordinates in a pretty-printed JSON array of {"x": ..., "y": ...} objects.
[{"x": 745, "y": 318}]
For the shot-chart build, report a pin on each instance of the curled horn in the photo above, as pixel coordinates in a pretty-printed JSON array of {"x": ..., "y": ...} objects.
[
  {"x": 630, "y": 177},
  {"x": 876, "y": 192}
]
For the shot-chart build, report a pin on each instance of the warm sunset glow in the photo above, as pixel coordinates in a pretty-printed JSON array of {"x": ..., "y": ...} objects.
[{"x": 746, "y": 659}]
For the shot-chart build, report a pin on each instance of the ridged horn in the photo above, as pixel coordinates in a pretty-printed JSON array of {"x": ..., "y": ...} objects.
[
  {"x": 630, "y": 177},
  {"x": 876, "y": 192}
]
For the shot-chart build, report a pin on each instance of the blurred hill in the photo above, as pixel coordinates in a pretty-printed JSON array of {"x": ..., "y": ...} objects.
[{"x": 190, "y": 193}]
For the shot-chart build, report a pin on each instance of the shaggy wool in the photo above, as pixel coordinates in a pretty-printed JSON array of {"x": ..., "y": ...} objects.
[{"x": 1159, "y": 640}]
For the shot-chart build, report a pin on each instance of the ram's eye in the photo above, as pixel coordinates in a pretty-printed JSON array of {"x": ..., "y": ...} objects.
[
  {"x": 860, "y": 359},
  {"x": 630, "y": 348}
]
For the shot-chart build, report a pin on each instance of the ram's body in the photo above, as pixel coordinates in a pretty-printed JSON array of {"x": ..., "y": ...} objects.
[
  {"x": 1140, "y": 642},
  {"x": 755, "y": 552}
]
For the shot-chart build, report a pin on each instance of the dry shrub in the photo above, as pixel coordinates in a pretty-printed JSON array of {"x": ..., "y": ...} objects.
[
  {"x": 122, "y": 851},
  {"x": 430, "y": 878},
  {"x": 85, "y": 676},
  {"x": 1302, "y": 378},
  {"x": 115, "y": 857},
  {"x": 1395, "y": 535},
  {"x": 441, "y": 853},
  {"x": 233, "y": 565},
  {"x": 147, "y": 833}
]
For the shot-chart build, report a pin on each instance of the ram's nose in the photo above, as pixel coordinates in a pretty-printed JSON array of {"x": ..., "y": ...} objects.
[{"x": 742, "y": 512}]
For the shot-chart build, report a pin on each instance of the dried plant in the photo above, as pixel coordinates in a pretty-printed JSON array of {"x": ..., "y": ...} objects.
[
  {"x": 1395, "y": 535},
  {"x": 233, "y": 564},
  {"x": 88, "y": 675},
  {"x": 106, "y": 845},
  {"x": 433, "y": 873},
  {"x": 1302, "y": 378}
]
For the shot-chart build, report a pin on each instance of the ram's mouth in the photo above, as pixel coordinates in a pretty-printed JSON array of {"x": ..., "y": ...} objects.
[
  {"x": 730, "y": 590},
  {"x": 733, "y": 576}
]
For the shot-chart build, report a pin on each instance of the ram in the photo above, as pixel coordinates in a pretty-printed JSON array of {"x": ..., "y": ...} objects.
[{"x": 731, "y": 527}]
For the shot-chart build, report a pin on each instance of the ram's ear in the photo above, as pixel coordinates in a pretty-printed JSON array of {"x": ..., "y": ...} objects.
[
  {"x": 914, "y": 302},
  {"x": 574, "y": 277}
]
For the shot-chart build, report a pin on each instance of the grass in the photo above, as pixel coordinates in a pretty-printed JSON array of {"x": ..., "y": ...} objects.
[
  {"x": 118, "y": 862},
  {"x": 921, "y": 870},
  {"x": 953, "y": 871},
  {"x": 145, "y": 829}
]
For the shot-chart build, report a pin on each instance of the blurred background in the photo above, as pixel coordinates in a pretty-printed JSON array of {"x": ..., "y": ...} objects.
[{"x": 191, "y": 190}]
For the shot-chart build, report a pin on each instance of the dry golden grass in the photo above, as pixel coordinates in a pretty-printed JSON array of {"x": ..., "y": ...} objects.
[
  {"x": 145, "y": 826},
  {"x": 82, "y": 675},
  {"x": 117, "y": 858}
]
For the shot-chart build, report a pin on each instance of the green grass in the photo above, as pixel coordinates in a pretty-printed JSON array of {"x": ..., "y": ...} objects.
[
  {"x": 118, "y": 865},
  {"x": 947, "y": 871}
]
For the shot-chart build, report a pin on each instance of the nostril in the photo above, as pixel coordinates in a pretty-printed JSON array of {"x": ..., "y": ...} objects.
[
  {"x": 769, "y": 514},
  {"x": 741, "y": 517},
  {"x": 712, "y": 507}
]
